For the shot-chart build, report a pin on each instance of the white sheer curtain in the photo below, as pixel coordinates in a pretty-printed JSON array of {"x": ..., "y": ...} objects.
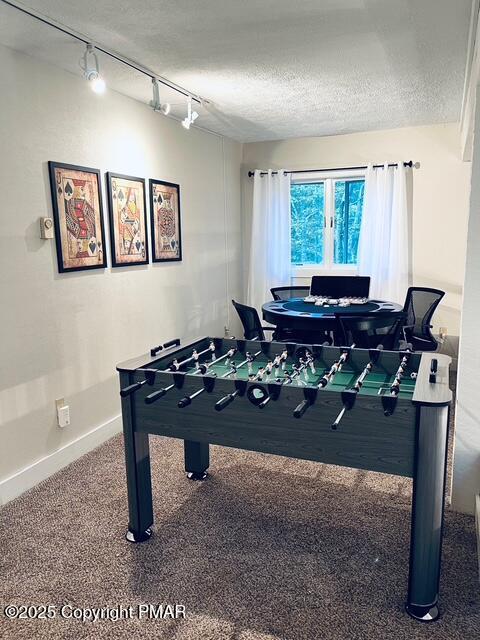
[
  {"x": 383, "y": 250},
  {"x": 269, "y": 264}
]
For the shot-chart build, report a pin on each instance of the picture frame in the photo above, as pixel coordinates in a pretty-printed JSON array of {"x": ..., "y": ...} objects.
[
  {"x": 166, "y": 223},
  {"x": 78, "y": 217},
  {"x": 128, "y": 220}
]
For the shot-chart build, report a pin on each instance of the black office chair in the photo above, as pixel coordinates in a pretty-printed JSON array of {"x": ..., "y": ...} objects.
[
  {"x": 368, "y": 332},
  {"x": 285, "y": 293},
  {"x": 419, "y": 307},
  {"x": 252, "y": 327}
]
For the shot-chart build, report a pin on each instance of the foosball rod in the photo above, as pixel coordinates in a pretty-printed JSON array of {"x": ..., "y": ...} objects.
[
  {"x": 185, "y": 401},
  {"x": 175, "y": 366},
  {"x": 279, "y": 359},
  {"x": 325, "y": 379},
  {"x": 282, "y": 359},
  {"x": 354, "y": 392},
  {"x": 278, "y": 362},
  {"x": 395, "y": 386},
  {"x": 309, "y": 359},
  {"x": 205, "y": 366},
  {"x": 156, "y": 395},
  {"x": 236, "y": 367},
  {"x": 287, "y": 380},
  {"x": 335, "y": 368},
  {"x": 230, "y": 397},
  {"x": 149, "y": 378}
]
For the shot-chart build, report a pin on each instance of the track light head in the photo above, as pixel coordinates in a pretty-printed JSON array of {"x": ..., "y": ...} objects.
[
  {"x": 190, "y": 117},
  {"x": 165, "y": 108},
  {"x": 91, "y": 70},
  {"x": 98, "y": 85},
  {"x": 155, "y": 102}
]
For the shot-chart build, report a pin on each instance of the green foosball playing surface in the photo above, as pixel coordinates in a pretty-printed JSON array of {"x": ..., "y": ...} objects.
[{"x": 376, "y": 382}]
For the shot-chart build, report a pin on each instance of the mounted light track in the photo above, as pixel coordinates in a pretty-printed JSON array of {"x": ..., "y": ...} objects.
[{"x": 98, "y": 84}]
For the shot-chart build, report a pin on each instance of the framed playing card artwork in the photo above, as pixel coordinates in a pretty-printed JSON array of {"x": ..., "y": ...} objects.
[
  {"x": 165, "y": 221},
  {"x": 128, "y": 220},
  {"x": 78, "y": 217}
]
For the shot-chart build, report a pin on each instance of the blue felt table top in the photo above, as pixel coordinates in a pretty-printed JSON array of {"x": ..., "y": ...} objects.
[{"x": 296, "y": 306}]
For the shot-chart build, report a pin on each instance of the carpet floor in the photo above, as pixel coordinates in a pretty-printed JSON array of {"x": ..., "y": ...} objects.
[{"x": 268, "y": 548}]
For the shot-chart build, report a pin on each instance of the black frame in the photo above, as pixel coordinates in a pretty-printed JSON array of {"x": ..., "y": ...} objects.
[
  {"x": 151, "y": 182},
  {"x": 56, "y": 215},
  {"x": 109, "y": 176}
]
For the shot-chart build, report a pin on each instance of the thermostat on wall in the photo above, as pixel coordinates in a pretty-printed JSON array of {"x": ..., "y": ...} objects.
[{"x": 46, "y": 228}]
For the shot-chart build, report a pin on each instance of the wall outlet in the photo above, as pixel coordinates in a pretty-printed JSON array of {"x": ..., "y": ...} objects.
[{"x": 63, "y": 413}]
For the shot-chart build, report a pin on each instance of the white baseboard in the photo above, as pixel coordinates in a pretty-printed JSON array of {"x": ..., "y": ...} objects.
[
  {"x": 30, "y": 476},
  {"x": 477, "y": 527}
]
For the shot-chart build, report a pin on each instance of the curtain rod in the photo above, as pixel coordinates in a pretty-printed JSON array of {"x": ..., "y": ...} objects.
[
  {"x": 410, "y": 163},
  {"x": 126, "y": 61}
]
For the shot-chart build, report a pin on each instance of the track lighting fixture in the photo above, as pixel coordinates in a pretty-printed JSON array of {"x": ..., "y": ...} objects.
[
  {"x": 91, "y": 69},
  {"x": 190, "y": 117},
  {"x": 155, "y": 102}
]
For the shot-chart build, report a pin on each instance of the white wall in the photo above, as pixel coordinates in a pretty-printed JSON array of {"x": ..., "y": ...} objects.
[
  {"x": 62, "y": 335},
  {"x": 466, "y": 470},
  {"x": 440, "y": 194}
]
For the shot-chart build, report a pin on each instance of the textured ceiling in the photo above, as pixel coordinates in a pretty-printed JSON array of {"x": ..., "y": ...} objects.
[{"x": 273, "y": 69}]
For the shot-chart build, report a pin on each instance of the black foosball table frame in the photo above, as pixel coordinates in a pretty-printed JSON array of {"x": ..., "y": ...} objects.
[{"x": 401, "y": 429}]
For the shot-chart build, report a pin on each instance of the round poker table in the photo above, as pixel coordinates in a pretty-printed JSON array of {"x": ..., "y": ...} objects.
[{"x": 306, "y": 316}]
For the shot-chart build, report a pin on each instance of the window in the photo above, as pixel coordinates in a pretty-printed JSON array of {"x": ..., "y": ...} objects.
[
  {"x": 326, "y": 215},
  {"x": 308, "y": 222},
  {"x": 348, "y": 216}
]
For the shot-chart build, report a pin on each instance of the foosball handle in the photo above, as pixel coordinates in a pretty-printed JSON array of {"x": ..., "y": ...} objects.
[
  {"x": 224, "y": 402},
  {"x": 156, "y": 395},
  {"x": 301, "y": 408},
  {"x": 264, "y": 402},
  {"x": 184, "y": 402},
  {"x": 155, "y": 350},
  {"x": 126, "y": 391},
  {"x": 172, "y": 343}
]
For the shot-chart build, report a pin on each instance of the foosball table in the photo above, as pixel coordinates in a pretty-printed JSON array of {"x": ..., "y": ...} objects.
[{"x": 372, "y": 409}]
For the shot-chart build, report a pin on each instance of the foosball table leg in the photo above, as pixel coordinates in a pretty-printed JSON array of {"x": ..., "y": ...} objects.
[
  {"x": 139, "y": 483},
  {"x": 427, "y": 513},
  {"x": 197, "y": 459}
]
